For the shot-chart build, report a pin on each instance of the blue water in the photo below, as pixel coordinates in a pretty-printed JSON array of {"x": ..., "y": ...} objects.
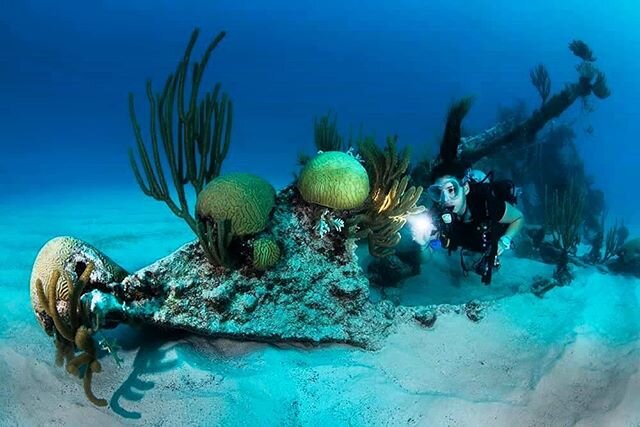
[
  {"x": 392, "y": 68},
  {"x": 66, "y": 69}
]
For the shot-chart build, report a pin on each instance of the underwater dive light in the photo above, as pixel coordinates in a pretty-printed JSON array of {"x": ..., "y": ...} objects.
[{"x": 422, "y": 227}]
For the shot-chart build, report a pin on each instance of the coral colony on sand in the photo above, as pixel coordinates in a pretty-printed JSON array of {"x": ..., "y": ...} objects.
[{"x": 267, "y": 266}]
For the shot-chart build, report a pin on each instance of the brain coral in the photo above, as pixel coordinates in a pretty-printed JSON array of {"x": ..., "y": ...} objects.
[
  {"x": 334, "y": 179},
  {"x": 69, "y": 256},
  {"x": 243, "y": 198},
  {"x": 266, "y": 253}
]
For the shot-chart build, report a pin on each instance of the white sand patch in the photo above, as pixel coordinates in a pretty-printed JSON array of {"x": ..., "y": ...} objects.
[{"x": 570, "y": 358}]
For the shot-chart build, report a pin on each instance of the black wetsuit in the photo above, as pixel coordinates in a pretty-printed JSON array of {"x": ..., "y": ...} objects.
[
  {"x": 479, "y": 234},
  {"x": 484, "y": 228}
]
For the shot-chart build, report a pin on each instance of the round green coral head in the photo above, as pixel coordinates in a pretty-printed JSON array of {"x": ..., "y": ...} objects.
[
  {"x": 334, "y": 179},
  {"x": 245, "y": 199},
  {"x": 266, "y": 253}
]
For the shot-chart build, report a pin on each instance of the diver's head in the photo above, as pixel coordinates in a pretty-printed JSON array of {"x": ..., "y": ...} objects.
[
  {"x": 450, "y": 193},
  {"x": 450, "y": 186}
]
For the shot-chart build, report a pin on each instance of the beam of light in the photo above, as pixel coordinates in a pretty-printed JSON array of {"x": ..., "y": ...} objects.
[{"x": 421, "y": 226}]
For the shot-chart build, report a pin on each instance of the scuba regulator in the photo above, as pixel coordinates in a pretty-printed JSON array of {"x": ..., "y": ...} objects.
[{"x": 441, "y": 233}]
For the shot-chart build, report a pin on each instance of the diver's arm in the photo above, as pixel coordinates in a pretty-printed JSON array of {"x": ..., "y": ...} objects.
[{"x": 515, "y": 219}]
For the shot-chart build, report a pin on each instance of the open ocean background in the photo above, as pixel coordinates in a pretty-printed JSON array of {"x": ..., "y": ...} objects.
[{"x": 391, "y": 67}]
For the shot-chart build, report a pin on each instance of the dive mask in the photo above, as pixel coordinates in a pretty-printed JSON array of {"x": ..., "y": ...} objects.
[{"x": 449, "y": 190}]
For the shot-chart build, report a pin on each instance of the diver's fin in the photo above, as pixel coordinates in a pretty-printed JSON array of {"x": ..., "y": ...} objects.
[{"x": 452, "y": 131}]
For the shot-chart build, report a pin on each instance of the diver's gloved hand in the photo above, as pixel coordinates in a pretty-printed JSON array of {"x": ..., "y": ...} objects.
[
  {"x": 504, "y": 244},
  {"x": 435, "y": 244},
  {"x": 445, "y": 241}
]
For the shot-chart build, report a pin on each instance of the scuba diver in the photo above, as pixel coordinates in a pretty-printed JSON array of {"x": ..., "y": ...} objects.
[{"x": 476, "y": 214}]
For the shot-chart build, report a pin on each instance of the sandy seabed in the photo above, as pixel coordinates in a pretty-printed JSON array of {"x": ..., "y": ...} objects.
[{"x": 570, "y": 358}]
